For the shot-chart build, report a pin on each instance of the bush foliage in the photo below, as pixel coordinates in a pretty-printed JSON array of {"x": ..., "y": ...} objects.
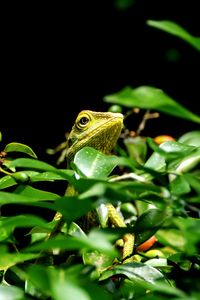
[{"x": 154, "y": 183}]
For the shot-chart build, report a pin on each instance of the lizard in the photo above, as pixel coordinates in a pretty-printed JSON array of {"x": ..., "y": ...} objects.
[{"x": 101, "y": 131}]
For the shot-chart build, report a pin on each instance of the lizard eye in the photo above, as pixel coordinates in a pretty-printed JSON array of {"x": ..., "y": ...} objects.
[{"x": 83, "y": 122}]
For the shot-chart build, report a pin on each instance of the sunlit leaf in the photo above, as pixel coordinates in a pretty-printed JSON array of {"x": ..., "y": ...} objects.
[
  {"x": 179, "y": 156},
  {"x": 7, "y": 181},
  {"x": 94, "y": 241},
  {"x": 35, "y": 164},
  {"x": 157, "y": 262},
  {"x": 94, "y": 164},
  {"x": 10, "y": 259},
  {"x": 177, "y": 30},
  {"x": 31, "y": 192},
  {"x": 69, "y": 283},
  {"x": 190, "y": 230},
  {"x": 136, "y": 148},
  {"x": 133, "y": 271},
  {"x": 17, "y": 147},
  {"x": 8, "y": 224},
  {"x": 102, "y": 213},
  {"x": 148, "y": 223},
  {"x": 171, "y": 237},
  {"x": 190, "y": 138},
  {"x": 72, "y": 207},
  {"x": 7, "y": 198},
  {"x": 193, "y": 180},
  {"x": 50, "y": 176},
  {"x": 148, "y": 97},
  {"x": 11, "y": 293},
  {"x": 179, "y": 186}
]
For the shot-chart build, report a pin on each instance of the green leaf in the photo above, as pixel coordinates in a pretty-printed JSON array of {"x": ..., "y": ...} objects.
[
  {"x": 148, "y": 223},
  {"x": 32, "y": 164},
  {"x": 8, "y": 260},
  {"x": 7, "y": 198},
  {"x": 179, "y": 186},
  {"x": 190, "y": 229},
  {"x": 134, "y": 271},
  {"x": 11, "y": 293},
  {"x": 17, "y": 147},
  {"x": 15, "y": 178},
  {"x": 73, "y": 207},
  {"x": 193, "y": 180},
  {"x": 8, "y": 224},
  {"x": 94, "y": 241},
  {"x": 137, "y": 148},
  {"x": 7, "y": 181},
  {"x": 51, "y": 176},
  {"x": 66, "y": 283},
  {"x": 152, "y": 218},
  {"x": 171, "y": 237},
  {"x": 177, "y": 30},
  {"x": 147, "y": 97},
  {"x": 34, "y": 193},
  {"x": 180, "y": 157},
  {"x": 123, "y": 4},
  {"x": 102, "y": 213},
  {"x": 190, "y": 138},
  {"x": 94, "y": 164}
]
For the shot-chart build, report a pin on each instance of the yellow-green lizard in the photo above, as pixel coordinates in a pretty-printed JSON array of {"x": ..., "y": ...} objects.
[{"x": 101, "y": 131}]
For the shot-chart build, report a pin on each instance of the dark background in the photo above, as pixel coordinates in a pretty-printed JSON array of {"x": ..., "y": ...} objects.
[{"x": 59, "y": 58}]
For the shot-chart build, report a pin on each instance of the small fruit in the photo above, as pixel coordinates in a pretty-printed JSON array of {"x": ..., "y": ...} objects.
[
  {"x": 147, "y": 244},
  {"x": 163, "y": 138}
]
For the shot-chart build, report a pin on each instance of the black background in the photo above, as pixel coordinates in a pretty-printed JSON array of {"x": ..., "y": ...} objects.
[{"x": 58, "y": 58}]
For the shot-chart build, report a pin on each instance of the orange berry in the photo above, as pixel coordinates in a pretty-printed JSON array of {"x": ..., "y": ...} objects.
[
  {"x": 147, "y": 244},
  {"x": 163, "y": 138}
]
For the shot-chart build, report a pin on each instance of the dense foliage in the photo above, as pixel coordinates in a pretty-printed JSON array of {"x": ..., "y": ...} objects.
[{"x": 154, "y": 183}]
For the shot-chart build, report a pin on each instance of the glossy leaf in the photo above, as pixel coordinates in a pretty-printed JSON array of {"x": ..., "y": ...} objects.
[
  {"x": 94, "y": 241},
  {"x": 174, "y": 153},
  {"x": 190, "y": 138},
  {"x": 180, "y": 186},
  {"x": 148, "y": 223},
  {"x": 35, "y": 164},
  {"x": 8, "y": 224},
  {"x": 148, "y": 97},
  {"x": 7, "y": 198},
  {"x": 134, "y": 271},
  {"x": 94, "y": 164},
  {"x": 51, "y": 176},
  {"x": 10, "y": 259},
  {"x": 69, "y": 283},
  {"x": 136, "y": 148},
  {"x": 190, "y": 230},
  {"x": 177, "y": 30},
  {"x": 193, "y": 180},
  {"x": 7, "y": 181},
  {"x": 11, "y": 293},
  {"x": 15, "y": 178},
  {"x": 72, "y": 207},
  {"x": 17, "y": 147},
  {"x": 30, "y": 192}
]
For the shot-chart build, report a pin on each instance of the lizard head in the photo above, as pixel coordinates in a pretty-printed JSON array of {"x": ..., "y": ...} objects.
[{"x": 99, "y": 130}]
